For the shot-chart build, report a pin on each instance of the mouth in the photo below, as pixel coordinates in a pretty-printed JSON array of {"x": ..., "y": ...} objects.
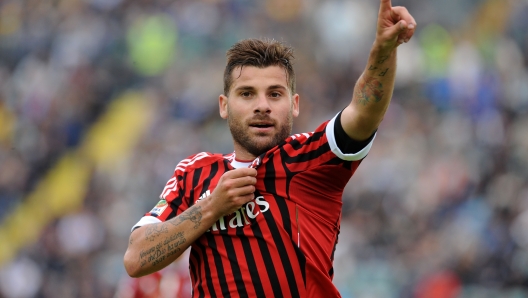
[{"x": 261, "y": 126}]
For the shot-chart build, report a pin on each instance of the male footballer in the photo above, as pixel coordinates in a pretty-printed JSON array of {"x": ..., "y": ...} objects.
[{"x": 263, "y": 221}]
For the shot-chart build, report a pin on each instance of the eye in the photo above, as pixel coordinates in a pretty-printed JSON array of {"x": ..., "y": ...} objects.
[
  {"x": 245, "y": 94},
  {"x": 275, "y": 94}
]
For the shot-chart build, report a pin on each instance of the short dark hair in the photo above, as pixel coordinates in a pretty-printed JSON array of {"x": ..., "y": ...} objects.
[{"x": 259, "y": 53}]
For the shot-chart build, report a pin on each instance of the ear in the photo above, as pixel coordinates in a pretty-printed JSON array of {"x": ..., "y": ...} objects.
[
  {"x": 295, "y": 105},
  {"x": 222, "y": 103}
]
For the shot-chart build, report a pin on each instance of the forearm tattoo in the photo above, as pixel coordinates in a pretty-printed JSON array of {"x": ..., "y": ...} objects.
[
  {"x": 382, "y": 59},
  {"x": 154, "y": 230},
  {"x": 194, "y": 214},
  {"x": 171, "y": 244},
  {"x": 369, "y": 90},
  {"x": 383, "y": 73},
  {"x": 161, "y": 251}
]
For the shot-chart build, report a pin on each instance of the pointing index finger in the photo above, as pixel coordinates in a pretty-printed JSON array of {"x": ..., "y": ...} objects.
[{"x": 385, "y": 5}]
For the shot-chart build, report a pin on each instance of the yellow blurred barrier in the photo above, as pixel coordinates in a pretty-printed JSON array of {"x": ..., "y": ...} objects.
[{"x": 63, "y": 189}]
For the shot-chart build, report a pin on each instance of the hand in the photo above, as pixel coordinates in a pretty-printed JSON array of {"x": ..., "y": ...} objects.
[
  {"x": 395, "y": 25},
  {"x": 234, "y": 189}
]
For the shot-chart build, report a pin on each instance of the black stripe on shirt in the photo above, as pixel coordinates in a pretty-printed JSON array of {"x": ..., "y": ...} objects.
[
  {"x": 208, "y": 278},
  {"x": 336, "y": 161},
  {"x": 197, "y": 272},
  {"x": 206, "y": 182},
  {"x": 310, "y": 155},
  {"x": 196, "y": 180},
  {"x": 269, "y": 184},
  {"x": 283, "y": 254},
  {"x": 289, "y": 176},
  {"x": 175, "y": 204},
  {"x": 237, "y": 274},
  {"x": 252, "y": 265},
  {"x": 219, "y": 266},
  {"x": 296, "y": 144},
  {"x": 266, "y": 256},
  {"x": 211, "y": 240}
]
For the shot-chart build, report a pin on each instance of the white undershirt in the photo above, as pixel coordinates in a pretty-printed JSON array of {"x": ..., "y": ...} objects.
[{"x": 240, "y": 164}]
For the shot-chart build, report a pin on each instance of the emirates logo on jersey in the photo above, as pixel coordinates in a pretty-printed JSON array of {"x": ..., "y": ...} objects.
[{"x": 242, "y": 216}]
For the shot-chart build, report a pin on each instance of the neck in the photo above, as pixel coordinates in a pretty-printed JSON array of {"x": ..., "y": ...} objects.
[{"x": 242, "y": 154}]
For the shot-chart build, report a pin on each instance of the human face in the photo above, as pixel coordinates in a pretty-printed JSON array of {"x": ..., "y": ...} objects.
[{"x": 259, "y": 109}]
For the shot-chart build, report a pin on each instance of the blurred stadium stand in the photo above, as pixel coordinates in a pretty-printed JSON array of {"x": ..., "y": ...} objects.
[{"x": 99, "y": 100}]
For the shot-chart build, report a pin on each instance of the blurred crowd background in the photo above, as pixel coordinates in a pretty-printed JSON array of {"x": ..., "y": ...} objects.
[{"x": 100, "y": 99}]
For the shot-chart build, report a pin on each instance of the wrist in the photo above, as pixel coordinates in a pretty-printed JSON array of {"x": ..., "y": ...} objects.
[
  {"x": 383, "y": 49},
  {"x": 209, "y": 211},
  {"x": 381, "y": 55}
]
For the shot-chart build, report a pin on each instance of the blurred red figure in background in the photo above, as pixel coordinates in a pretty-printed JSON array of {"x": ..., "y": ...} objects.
[{"x": 173, "y": 281}]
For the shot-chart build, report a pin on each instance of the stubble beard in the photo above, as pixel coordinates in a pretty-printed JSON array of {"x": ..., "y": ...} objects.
[{"x": 255, "y": 145}]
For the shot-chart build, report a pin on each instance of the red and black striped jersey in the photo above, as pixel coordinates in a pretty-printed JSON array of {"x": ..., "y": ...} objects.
[{"x": 281, "y": 244}]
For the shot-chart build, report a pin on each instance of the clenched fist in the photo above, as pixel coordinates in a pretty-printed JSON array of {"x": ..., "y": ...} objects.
[{"x": 234, "y": 189}]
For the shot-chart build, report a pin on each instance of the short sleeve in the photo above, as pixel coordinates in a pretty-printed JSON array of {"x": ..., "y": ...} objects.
[{"x": 330, "y": 134}]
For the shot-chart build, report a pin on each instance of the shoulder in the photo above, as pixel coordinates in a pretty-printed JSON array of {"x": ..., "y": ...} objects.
[
  {"x": 315, "y": 135},
  {"x": 198, "y": 160}
]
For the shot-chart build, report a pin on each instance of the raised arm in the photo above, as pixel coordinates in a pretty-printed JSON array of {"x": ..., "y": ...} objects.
[
  {"x": 154, "y": 246},
  {"x": 373, "y": 90}
]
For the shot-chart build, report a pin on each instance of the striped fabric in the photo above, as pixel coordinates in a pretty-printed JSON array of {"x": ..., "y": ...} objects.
[{"x": 281, "y": 244}]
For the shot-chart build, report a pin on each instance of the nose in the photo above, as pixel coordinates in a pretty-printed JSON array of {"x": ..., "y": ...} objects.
[{"x": 262, "y": 105}]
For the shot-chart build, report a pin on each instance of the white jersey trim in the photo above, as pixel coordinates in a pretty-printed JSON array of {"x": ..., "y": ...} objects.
[
  {"x": 333, "y": 145},
  {"x": 145, "y": 220}
]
